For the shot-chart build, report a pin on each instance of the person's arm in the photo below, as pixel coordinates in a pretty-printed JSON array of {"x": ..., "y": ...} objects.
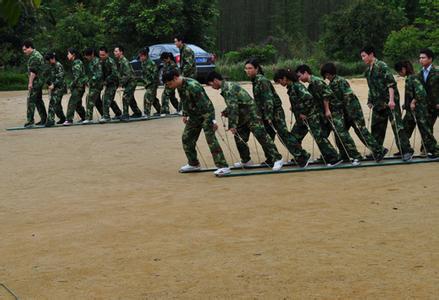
[
  {"x": 59, "y": 76},
  {"x": 327, "y": 96},
  {"x": 267, "y": 99},
  {"x": 189, "y": 61},
  {"x": 97, "y": 73},
  {"x": 76, "y": 70},
  {"x": 232, "y": 109},
  {"x": 124, "y": 73},
  {"x": 391, "y": 85}
]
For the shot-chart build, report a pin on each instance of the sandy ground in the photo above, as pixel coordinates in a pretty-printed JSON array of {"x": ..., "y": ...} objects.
[{"x": 101, "y": 212}]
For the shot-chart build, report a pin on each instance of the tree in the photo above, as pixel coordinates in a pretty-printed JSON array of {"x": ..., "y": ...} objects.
[
  {"x": 404, "y": 44},
  {"x": 11, "y": 10}
]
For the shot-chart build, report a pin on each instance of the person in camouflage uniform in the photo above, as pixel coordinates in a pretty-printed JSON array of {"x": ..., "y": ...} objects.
[
  {"x": 57, "y": 89},
  {"x": 128, "y": 82},
  {"x": 243, "y": 119},
  {"x": 198, "y": 114},
  {"x": 383, "y": 98},
  {"x": 307, "y": 113},
  {"x": 111, "y": 82},
  {"x": 188, "y": 66},
  {"x": 332, "y": 117},
  {"x": 416, "y": 106},
  {"x": 35, "y": 67},
  {"x": 77, "y": 87},
  {"x": 95, "y": 84},
  {"x": 350, "y": 109},
  {"x": 270, "y": 109},
  {"x": 150, "y": 77},
  {"x": 168, "y": 94},
  {"x": 429, "y": 76}
]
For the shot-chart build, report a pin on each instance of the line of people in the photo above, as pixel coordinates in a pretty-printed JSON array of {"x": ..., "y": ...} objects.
[
  {"x": 318, "y": 109},
  {"x": 103, "y": 75}
]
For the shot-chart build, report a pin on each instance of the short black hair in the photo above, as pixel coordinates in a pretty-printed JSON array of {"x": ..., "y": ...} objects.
[
  {"x": 49, "y": 56},
  {"x": 144, "y": 51},
  {"x": 28, "y": 44},
  {"x": 170, "y": 75},
  {"x": 74, "y": 52},
  {"x": 303, "y": 68},
  {"x": 180, "y": 38},
  {"x": 103, "y": 48},
  {"x": 166, "y": 55},
  {"x": 255, "y": 63},
  {"x": 214, "y": 75},
  {"x": 328, "y": 68},
  {"x": 89, "y": 51},
  {"x": 428, "y": 52},
  {"x": 285, "y": 73},
  {"x": 405, "y": 64},
  {"x": 368, "y": 50},
  {"x": 121, "y": 48}
]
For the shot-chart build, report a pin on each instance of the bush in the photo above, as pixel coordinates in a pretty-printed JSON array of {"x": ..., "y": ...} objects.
[
  {"x": 13, "y": 80},
  {"x": 265, "y": 54},
  {"x": 404, "y": 44}
]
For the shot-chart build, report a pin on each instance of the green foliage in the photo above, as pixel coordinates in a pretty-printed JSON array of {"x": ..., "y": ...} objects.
[
  {"x": 13, "y": 80},
  {"x": 265, "y": 54},
  {"x": 10, "y": 10},
  {"x": 428, "y": 22},
  {"x": 404, "y": 44},
  {"x": 368, "y": 22}
]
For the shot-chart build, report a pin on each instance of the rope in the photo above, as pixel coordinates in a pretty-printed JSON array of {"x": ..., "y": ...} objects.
[
  {"x": 312, "y": 135},
  {"x": 339, "y": 137}
]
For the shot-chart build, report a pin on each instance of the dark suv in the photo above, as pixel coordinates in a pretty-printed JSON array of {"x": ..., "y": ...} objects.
[{"x": 205, "y": 61}]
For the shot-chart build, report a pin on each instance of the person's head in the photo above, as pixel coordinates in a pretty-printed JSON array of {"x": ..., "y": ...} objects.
[
  {"x": 118, "y": 52},
  {"x": 50, "y": 57},
  {"x": 172, "y": 79},
  {"x": 304, "y": 73},
  {"x": 426, "y": 57},
  {"x": 214, "y": 79},
  {"x": 144, "y": 54},
  {"x": 328, "y": 71},
  {"x": 89, "y": 53},
  {"x": 253, "y": 68},
  {"x": 72, "y": 54},
  {"x": 103, "y": 53},
  {"x": 404, "y": 68},
  {"x": 367, "y": 54},
  {"x": 179, "y": 41},
  {"x": 167, "y": 57},
  {"x": 285, "y": 76},
  {"x": 28, "y": 47}
]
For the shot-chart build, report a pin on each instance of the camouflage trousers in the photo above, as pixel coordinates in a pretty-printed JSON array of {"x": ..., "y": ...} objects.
[
  {"x": 422, "y": 119},
  {"x": 254, "y": 125},
  {"x": 434, "y": 113},
  {"x": 345, "y": 143},
  {"x": 150, "y": 99},
  {"x": 354, "y": 118},
  {"x": 103, "y": 106},
  {"x": 75, "y": 104},
  {"x": 315, "y": 123},
  {"x": 169, "y": 95},
  {"x": 190, "y": 137},
  {"x": 279, "y": 127},
  {"x": 128, "y": 99},
  {"x": 35, "y": 98},
  {"x": 55, "y": 106},
  {"x": 94, "y": 93},
  {"x": 380, "y": 118}
]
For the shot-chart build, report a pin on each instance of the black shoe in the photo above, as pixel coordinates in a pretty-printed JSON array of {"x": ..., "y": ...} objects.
[
  {"x": 407, "y": 156},
  {"x": 136, "y": 115},
  {"x": 304, "y": 162},
  {"x": 268, "y": 163},
  {"x": 41, "y": 123},
  {"x": 61, "y": 121},
  {"x": 432, "y": 155},
  {"x": 29, "y": 124},
  {"x": 380, "y": 156},
  {"x": 116, "y": 117},
  {"x": 369, "y": 156},
  {"x": 157, "y": 114},
  {"x": 397, "y": 154},
  {"x": 50, "y": 124},
  {"x": 124, "y": 118}
]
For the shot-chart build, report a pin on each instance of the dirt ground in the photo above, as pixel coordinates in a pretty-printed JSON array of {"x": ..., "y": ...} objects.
[{"x": 100, "y": 212}]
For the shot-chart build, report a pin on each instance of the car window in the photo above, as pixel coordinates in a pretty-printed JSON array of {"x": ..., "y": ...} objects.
[
  {"x": 156, "y": 51},
  {"x": 197, "y": 49}
]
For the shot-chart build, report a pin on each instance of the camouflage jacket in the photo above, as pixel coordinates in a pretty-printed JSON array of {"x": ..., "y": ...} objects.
[
  {"x": 320, "y": 91},
  {"x": 380, "y": 79},
  {"x": 55, "y": 76},
  {"x": 95, "y": 74},
  {"x": 35, "y": 64},
  {"x": 79, "y": 76},
  {"x": 301, "y": 100},
  {"x": 343, "y": 92},
  {"x": 266, "y": 98},
  {"x": 109, "y": 72},
  {"x": 150, "y": 73},
  {"x": 187, "y": 65},
  {"x": 239, "y": 103},
  {"x": 126, "y": 72},
  {"x": 431, "y": 86},
  {"x": 414, "y": 90},
  {"x": 196, "y": 104},
  {"x": 167, "y": 67}
]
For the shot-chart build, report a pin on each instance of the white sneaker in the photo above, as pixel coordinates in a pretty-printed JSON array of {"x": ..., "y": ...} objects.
[
  {"x": 87, "y": 122},
  {"x": 335, "y": 163},
  {"x": 162, "y": 115},
  {"x": 222, "y": 171},
  {"x": 104, "y": 120},
  {"x": 67, "y": 123},
  {"x": 356, "y": 162},
  {"x": 146, "y": 116},
  {"x": 278, "y": 164},
  {"x": 188, "y": 168},
  {"x": 241, "y": 164}
]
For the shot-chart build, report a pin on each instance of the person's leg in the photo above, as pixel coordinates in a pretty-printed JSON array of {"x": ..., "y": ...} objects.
[
  {"x": 328, "y": 152},
  {"x": 93, "y": 95},
  {"x": 214, "y": 146},
  {"x": 401, "y": 139},
  {"x": 379, "y": 125},
  {"x": 241, "y": 139},
  {"x": 79, "y": 107},
  {"x": 58, "y": 105},
  {"x": 148, "y": 99},
  {"x": 190, "y": 137},
  {"x": 133, "y": 103},
  {"x": 51, "y": 109},
  {"x": 428, "y": 139},
  {"x": 409, "y": 123},
  {"x": 75, "y": 97},
  {"x": 265, "y": 141},
  {"x": 165, "y": 100},
  {"x": 41, "y": 108},
  {"x": 344, "y": 140}
]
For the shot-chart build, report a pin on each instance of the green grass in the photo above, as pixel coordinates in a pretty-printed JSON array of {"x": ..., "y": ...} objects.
[{"x": 11, "y": 80}]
